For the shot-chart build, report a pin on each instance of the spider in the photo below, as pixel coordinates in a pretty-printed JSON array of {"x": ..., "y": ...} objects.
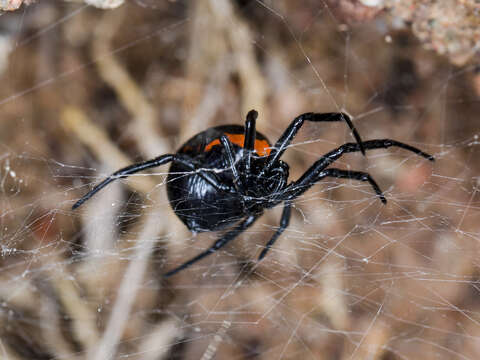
[{"x": 225, "y": 176}]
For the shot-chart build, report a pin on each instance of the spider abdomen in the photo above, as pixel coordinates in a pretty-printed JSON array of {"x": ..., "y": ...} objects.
[{"x": 198, "y": 203}]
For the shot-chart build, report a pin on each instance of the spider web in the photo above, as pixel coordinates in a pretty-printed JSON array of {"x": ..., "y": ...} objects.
[{"x": 85, "y": 92}]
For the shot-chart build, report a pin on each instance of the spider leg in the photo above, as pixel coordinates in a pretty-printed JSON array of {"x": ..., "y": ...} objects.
[
  {"x": 284, "y": 221},
  {"x": 249, "y": 141},
  {"x": 227, "y": 145},
  {"x": 124, "y": 172},
  {"x": 288, "y": 135},
  {"x": 158, "y": 161},
  {"x": 206, "y": 175},
  {"x": 230, "y": 235},
  {"x": 311, "y": 176},
  {"x": 354, "y": 175}
]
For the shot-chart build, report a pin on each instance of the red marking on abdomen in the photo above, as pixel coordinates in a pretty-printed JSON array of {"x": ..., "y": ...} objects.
[{"x": 262, "y": 147}]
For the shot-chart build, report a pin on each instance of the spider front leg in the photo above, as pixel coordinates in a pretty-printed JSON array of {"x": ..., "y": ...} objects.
[
  {"x": 224, "y": 240},
  {"x": 312, "y": 175},
  {"x": 288, "y": 135},
  {"x": 249, "y": 139},
  {"x": 248, "y": 148}
]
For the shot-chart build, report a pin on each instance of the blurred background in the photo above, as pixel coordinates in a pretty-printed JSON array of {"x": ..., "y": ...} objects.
[{"x": 85, "y": 91}]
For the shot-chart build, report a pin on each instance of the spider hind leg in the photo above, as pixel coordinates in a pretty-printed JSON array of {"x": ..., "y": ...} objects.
[
  {"x": 224, "y": 240},
  {"x": 284, "y": 221}
]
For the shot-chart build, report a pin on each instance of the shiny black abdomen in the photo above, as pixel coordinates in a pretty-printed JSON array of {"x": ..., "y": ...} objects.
[{"x": 200, "y": 205}]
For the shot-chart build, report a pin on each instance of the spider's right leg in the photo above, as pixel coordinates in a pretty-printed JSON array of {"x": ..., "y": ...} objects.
[
  {"x": 230, "y": 235},
  {"x": 126, "y": 171}
]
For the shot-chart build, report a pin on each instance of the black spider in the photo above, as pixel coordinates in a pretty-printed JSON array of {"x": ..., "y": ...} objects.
[{"x": 230, "y": 174}]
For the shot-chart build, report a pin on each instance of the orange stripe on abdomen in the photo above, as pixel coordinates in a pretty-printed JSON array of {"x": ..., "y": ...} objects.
[{"x": 262, "y": 147}]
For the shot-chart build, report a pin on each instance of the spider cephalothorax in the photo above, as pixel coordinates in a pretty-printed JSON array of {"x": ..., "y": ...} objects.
[
  {"x": 227, "y": 175},
  {"x": 268, "y": 185}
]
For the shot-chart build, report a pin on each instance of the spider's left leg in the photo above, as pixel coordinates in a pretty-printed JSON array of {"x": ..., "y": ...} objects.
[
  {"x": 230, "y": 235},
  {"x": 284, "y": 221},
  {"x": 288, "y": 135}
]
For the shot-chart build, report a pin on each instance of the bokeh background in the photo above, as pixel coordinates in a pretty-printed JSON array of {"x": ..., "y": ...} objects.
[{"x": 86, "y": 91}]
